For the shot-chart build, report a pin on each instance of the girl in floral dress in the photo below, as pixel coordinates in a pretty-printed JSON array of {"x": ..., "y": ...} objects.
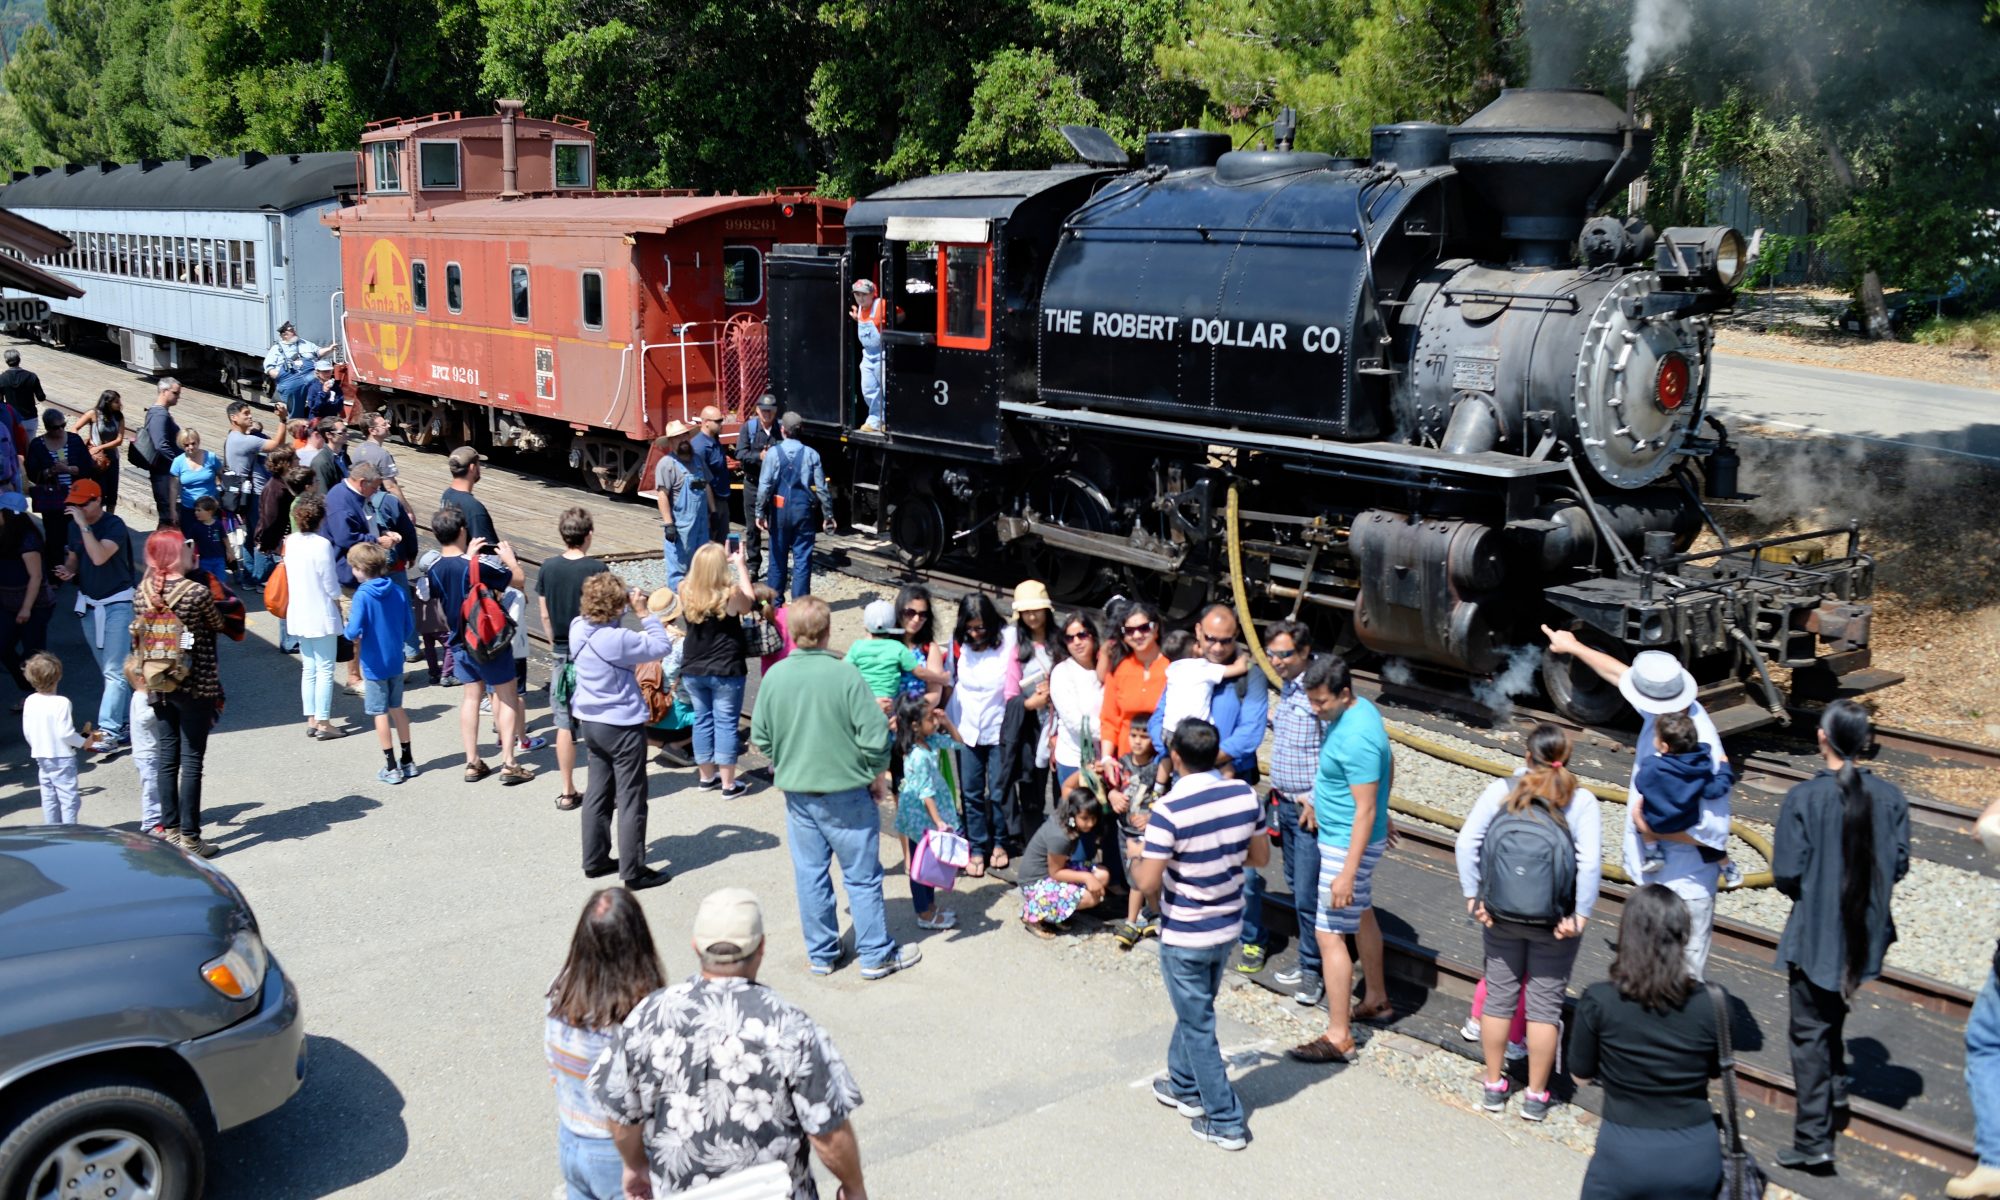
[
  {"x": 1053, "y": 883},
  {"x": 924, "y": 800}
]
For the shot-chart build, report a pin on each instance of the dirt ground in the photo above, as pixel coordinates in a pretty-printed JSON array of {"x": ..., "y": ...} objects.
[
  {"x": 1932, "y": 524},
  {"x": 1798, "y": 325}
]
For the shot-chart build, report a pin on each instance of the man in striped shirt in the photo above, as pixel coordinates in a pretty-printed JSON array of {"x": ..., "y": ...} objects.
[{"x": 1191, "y": 868}]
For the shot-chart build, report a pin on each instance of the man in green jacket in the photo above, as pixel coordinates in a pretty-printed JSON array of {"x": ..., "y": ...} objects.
[{"x": 829, "y": 743}]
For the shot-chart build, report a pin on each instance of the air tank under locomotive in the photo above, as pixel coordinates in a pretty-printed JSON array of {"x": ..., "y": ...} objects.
[{"x": 1448, "y": 402}]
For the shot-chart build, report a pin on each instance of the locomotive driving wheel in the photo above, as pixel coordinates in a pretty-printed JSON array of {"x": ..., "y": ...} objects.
[
  {"x": 917, "y": 527},
  {"x": 1074, "y": 502},
  {"x": 1579, "y": 693}
]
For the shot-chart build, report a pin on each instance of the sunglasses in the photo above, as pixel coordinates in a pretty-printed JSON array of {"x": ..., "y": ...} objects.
[
  {"x": 1147, "y": 627},
  {"x": 1082, "y": 635},
  {"x": 1280, "y": 655},
  {"x": 975, "y": 627},
  {"x": 915, "y": 612}
]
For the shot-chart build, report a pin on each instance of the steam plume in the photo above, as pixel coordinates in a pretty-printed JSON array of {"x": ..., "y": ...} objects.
[{"x": 1659, "y": 27}]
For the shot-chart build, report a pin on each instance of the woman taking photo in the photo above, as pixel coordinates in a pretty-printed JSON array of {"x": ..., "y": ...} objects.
[
  {"x": 1842, "y": 842},
  {"x": 612, "y": 965},
  {"x": 1136, "y": 678},
  {"x": 56, "y": 459},
  {"x": 919, "y": 629},
  {"x": 1648, "y": 1036},
  {"x": 1024, "y": 731},
  {"x": 611, "y": 715},
  {"x": 980, "y": 659},
  {"x": 1076, "y": 696},
  {"x": 714, "y": 597},
  {"x": 1517, "y": 952},
  {"x": 314, "y": 615},
  {"x": 189, "y": 710},
  {"x": 104, "y": 430}
]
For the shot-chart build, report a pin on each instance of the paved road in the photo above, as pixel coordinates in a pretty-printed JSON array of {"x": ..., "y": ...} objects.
[{"x": 1959, "y": 421}]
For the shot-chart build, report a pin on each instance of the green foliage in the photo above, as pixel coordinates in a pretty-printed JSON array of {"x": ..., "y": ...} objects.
[
  {"x": 1772, "y": 255},
  {"x": 1981, "y": 333}
]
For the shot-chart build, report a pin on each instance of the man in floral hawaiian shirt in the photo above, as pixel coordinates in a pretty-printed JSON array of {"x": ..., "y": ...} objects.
[{"x": 717, "y": 1074}]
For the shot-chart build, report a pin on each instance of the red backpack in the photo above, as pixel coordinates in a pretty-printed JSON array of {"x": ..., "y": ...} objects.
[{"x": 489, "y": 631}]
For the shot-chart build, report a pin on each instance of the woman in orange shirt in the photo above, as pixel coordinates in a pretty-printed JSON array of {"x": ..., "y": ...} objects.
[{"x": 1137, "y": 681}]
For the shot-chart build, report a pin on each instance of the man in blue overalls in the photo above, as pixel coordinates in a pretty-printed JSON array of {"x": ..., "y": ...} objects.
[
  {"x": 869, "y": 313},
  {"x": 791, "y": 482},
  {"x": 681, "y": 491},
  {"x": 289, "y": 364}
]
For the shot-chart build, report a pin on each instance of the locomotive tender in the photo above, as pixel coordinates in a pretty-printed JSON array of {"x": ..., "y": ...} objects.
[{"x": 1428, "y": 396}]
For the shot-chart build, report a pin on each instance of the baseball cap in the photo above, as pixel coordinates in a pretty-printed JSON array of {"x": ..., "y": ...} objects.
[
  {"x": 464, "y": 457},
  {"x": 767, "y": 400},
  {"x": 729, "y": 925},
  {"x": 13, "y": 502},
  {"x": 879, "y": 617},
  {"x": 864, "y": 285},
  {"x": 83, "y": 491},
  {"x": 324, "y": 364},
  {"x": 792, "y": 422}
]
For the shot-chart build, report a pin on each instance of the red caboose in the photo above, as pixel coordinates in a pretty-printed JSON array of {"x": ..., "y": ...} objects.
[{"x": 491, "y": 294}]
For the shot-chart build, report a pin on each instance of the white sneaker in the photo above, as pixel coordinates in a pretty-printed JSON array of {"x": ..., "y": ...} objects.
[{"x": 1470, "y": 1030}]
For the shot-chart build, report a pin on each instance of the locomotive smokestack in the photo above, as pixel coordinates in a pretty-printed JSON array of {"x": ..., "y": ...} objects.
[
  {"x": 510, "y": 166},
  {"x": 1545, "y": 158}
]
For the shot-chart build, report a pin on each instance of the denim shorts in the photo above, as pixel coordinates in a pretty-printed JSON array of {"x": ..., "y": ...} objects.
[
  {"x": 381, "y": 695},
  {"x": 559, "y": 711},
  {"x": 1332, "y": 859}
]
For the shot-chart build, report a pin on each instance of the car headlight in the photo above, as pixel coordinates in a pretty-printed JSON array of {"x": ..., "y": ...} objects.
[{"x": 238, "y": 971}]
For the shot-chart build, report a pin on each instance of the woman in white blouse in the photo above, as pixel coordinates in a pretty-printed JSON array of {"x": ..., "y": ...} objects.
[
  {"x": 313, "y": 614},
  {"x": 1076, "y": 695},
  {"x": 981, "y": 654}
]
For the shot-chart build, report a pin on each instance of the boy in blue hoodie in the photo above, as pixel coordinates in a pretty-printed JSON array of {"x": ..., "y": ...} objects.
[
  {"x": 1672, "y": 785},
  {"x": 378, "y": 622}
]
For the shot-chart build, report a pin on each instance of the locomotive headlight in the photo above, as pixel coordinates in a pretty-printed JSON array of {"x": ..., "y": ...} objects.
[{"x": 1706, "y": 257}]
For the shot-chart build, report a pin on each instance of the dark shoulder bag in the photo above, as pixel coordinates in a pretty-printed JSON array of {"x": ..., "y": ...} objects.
[{"x": 1742, "y": 1178}]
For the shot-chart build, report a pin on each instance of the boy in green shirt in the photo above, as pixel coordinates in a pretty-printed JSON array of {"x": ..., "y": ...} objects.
[{"x": 882, "y": 658}]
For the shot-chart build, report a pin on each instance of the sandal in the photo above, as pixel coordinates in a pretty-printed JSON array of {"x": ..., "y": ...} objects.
[
  {"x": 1039, "y": 930},
  {"x": 476, "y": 771},
  {"x": 569, "y": 801},
  {"x": 1320, "y": 1050},
  {"x": 1000, "y": 858},
  {"x": 976, "y": 867},
  {"x": 514, "y": 773},
  {"x": 1374, "y": 1014}
]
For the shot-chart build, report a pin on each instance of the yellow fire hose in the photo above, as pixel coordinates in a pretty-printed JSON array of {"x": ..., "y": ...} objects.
[{"x": 1450, "y": 754}]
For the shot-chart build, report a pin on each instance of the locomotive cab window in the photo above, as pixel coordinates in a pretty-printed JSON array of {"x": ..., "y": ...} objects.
[
  {"x": 593, "y": 299},
  {"x": 517, "y": 282},
  {"x": 437, "y": 166},
  {"x": 454, "y": 289},
  {"x": 965, "y": 303},
  {"x": 572, "y": 164},
  {"x": 742, "y": 275},
  {"x": 386, "y": 166},
  {"x": 420, "y": 285}
]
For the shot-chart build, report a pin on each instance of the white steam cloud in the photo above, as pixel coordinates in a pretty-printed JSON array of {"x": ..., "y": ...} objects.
[
  {"x": 1517, "y": 678},
  {"x": 1659, "y": 27},
  {"x": 1398, "y": 672}
]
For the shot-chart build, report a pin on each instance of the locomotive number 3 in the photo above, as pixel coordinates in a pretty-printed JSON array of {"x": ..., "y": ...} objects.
[{"x": 940, "y": 392}]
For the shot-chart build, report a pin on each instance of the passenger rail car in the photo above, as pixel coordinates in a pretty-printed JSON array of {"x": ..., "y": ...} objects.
[
  {"x": 190, "y": 266},
  {"x": 1427, "y": 397}
]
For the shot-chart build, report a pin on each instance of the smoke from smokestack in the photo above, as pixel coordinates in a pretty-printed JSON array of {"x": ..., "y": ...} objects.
[{"x": 1659, "y": 27}]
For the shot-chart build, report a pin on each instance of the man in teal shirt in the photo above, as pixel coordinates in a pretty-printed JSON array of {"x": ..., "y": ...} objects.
[
  {"x": 829, "y": 743},
  {"x": 1350, "y": 795}
]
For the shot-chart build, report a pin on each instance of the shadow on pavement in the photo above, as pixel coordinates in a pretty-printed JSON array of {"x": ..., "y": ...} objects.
[
  {"x": 344, "y": 1127},
  {"x": 684, "y": 852},
  {"x": 290, "y": 824}
]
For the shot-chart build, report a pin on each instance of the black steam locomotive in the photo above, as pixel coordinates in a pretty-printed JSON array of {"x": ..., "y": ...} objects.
[{"x": 1427, "y": 396}]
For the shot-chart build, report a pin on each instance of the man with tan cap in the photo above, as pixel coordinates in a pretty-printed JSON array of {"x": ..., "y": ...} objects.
[
  {"x": 1654, "y": 685},
  {"x": 717, "y": 1074}
]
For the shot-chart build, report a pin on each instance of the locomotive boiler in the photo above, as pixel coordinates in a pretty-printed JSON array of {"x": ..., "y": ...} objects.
[{"x": 1430, "y": 397}]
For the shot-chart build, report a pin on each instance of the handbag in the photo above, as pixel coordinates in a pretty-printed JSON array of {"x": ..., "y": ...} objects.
[
  {"x": 927, "y": 865},
  {"x": 277, "y": 593},
  {"x": 762, "y": 637},
  {"x": 1742, "y": 1178}
]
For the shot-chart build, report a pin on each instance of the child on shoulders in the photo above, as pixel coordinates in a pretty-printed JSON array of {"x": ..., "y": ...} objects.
[{"x": 1672, "y": 784}]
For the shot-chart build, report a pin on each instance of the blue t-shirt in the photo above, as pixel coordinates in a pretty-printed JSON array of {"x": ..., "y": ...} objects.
[
  {"x": 209, "y": 539},
  {"x": 1356, "y": 751},
  {"x": 197, "y": 476}
]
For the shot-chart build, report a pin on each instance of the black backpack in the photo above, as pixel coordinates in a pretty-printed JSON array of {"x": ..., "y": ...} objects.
[{"x": 1527, "y": 867}]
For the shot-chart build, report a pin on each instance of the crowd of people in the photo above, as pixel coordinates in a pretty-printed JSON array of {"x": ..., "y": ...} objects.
[{"x": 1120, "y": 767}]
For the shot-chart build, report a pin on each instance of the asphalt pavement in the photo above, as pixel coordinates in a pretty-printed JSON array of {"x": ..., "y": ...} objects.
[{"x": 1959, "y": 421}]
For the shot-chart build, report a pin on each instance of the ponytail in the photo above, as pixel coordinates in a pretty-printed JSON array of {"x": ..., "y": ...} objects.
[
  {"x": 1849, "y": 736},
  {"x": 1548, "y": 777}
]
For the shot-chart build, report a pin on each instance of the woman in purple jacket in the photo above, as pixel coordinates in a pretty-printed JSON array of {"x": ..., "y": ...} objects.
[{"x": 611, "y": 714}]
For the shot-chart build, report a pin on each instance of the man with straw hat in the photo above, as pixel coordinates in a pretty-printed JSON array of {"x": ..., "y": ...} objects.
[
  {"x": 681, "y": 491},
  {"x": 1654, "y": 685}
]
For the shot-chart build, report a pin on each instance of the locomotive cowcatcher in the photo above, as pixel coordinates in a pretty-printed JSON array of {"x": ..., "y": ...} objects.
[
  {"x": 493, "y": 295},
  {"x": 1428, "y": 397}
]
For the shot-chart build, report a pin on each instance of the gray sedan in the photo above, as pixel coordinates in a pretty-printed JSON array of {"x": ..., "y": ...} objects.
[{"x": 139, "y": 1014}]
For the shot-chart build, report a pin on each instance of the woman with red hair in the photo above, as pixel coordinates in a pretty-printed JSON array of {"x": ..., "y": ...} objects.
[{"x": 191, "y": 707}]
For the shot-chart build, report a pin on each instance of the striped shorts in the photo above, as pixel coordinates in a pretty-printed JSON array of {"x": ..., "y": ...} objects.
[{"x": 1332, "y": 860}]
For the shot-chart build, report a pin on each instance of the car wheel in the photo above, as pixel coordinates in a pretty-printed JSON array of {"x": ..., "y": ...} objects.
[{"x": 115, "y": 1142}]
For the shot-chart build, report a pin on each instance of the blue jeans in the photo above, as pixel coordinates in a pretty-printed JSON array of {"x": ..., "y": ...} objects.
[
  {"x": 871, "y": 385},
  {"x": 985, "y": 819},
  {"x": 1982, "y": 1071},
  {"x": 591, "y": 1168},
  {"x": 1301, "y": 855},
  {"x": 115, "y": 709},
  {"x": 316, "y": 655},
  {"x": 822, "y": 828},
  {"x": 718, "y": 712},
  {"x": 791, "y": 545},
  {"x": 1253, "y": 907},
  {"x": 1194, "y": 1056},
  {"x": 923, "y": 897}
]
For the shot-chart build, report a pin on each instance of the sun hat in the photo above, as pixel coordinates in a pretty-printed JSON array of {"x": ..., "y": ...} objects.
[
  {"x": 729, "y": 925},
  {"x": 1657, "y": 683},
  {"x": 664, "y": 604},
  {"x": 1032, "y": 595},
  {"x": 879, "y": 616}
]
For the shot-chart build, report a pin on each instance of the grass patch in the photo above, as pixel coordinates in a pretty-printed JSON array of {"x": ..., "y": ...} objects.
[{"x": 1980, "y": 333}]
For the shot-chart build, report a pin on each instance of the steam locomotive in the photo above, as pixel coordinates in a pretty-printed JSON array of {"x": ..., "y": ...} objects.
[{"x": 1428, "y": 398}]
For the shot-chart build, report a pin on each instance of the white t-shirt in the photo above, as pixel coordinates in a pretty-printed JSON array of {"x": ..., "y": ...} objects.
[
  {"x": 1190, "y": 685},
  {"x": 1076, "y": 696}
]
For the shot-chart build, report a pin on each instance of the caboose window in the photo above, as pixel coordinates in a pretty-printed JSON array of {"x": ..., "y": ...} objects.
[
  {"x": 517, "y": 279},
  {"x": 454, "y": 290},
  {"x": 965, "y": 310},
  {"x": 742, "y": 275},
  {"x": 387, "y": 160},
  {"x": 420, "y": 285},
  {"x": 437, "y": 166},
  {"x": 593, "y": 300},
  {"x": 572, "y": 164}
]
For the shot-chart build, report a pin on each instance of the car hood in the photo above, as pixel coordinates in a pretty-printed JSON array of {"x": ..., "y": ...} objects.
[{"x": 75, "y": 885}]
